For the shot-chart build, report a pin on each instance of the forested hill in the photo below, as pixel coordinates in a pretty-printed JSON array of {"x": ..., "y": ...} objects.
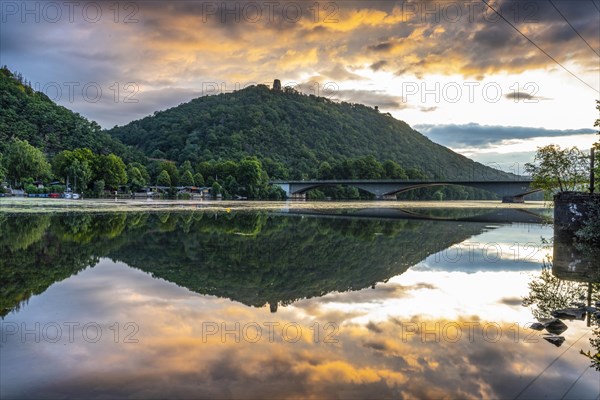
[
  {"x": 29, "y": 115},
  {"x": 291, "y": 130}
]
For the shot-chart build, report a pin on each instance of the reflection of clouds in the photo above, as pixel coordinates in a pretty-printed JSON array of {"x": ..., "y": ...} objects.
[
  {"x": 452, "y": 298},
  {"x": 377, "y": 294},
  {"x": 376, "y": 356},
  {"x": 504, "y": 248}
]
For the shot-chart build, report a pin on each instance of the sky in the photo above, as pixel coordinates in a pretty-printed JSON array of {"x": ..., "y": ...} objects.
[{"x": 454, "y": 70}]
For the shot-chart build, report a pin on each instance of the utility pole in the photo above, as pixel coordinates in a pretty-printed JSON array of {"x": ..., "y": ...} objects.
[{"x": 592, "y": 177}]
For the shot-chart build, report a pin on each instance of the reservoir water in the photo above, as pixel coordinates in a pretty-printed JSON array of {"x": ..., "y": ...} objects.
[{"x": 351, "y": 303}]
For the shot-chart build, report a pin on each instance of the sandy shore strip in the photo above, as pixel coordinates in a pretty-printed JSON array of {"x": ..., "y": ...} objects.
[{"x": 40, "y": 205}]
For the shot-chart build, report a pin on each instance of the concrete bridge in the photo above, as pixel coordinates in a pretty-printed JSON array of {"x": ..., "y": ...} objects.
[{"x": 512, "y": 191}]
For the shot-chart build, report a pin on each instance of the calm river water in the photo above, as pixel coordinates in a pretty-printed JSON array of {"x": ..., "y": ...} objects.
[{"x": 349, "y": 304}]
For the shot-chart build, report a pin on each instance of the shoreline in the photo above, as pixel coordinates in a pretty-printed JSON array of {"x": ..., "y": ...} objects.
[{"x": 40, "y": 205}]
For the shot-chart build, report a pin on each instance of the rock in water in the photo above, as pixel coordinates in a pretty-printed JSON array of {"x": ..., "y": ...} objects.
[
  {"x": 556, "y": 326},
  {"x": 536, "y": 326},
  {"x": 555, "y": 340},
  {"x": 569, "y": 313}
]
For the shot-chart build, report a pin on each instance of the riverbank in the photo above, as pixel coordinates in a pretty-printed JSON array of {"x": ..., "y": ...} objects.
[{"x": 34, "y": 205}]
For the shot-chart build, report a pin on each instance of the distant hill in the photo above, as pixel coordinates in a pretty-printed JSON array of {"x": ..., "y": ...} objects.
[
  {"x": 29, "y": 115},
  {"x": 296, "y": 130},
  {"x": 290, "y": 132}
]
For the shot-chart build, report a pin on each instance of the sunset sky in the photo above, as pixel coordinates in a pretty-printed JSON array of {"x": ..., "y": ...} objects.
[{"x": 453, "y": 70}]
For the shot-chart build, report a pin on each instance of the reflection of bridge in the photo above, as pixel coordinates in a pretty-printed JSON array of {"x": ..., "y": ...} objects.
[
  {"x": 489, "y": 216},
  {"x": 510, "y": 191}
]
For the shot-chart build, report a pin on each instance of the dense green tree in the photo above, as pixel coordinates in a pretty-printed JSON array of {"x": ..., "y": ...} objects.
[
  {"x": 163, "y": 179},
  {"x": 216, "y": 189},
  {"x": 76, "y": 164},
  {"x": 226, "y": 168},
  {"x": 199, "y": 179},
  {"x": 231, "y": 185},
  {"x": 393, "y": 170},
  {"x": 187, "y": 179},
  {"x": 186, "y": 166},
  {"x": 275, "y": 169},
  {"x": 171, "y": 168},
  {"x": 368, "y": 168},
  {"x": 25, "y": 161},
  {"x": 99, "y": 187},
  {"x": 557, "y": 168},
  {"x": 250, "y": 176},
  {"x": 135, "y": 178},
  {"x": 416, "y": 174},
  {"x": 316, "y": 194},
  {"x": 325, "y": 171},
  {"x": 81, "y": 173},
  {"x": 111, "y": 169},
  {"x": 143, "y": 171}
]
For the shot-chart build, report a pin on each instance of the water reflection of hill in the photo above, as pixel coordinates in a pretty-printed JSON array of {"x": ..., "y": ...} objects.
[
  {"x": 37, "y": 250},
  {"x": 258, "y": 258},
  {"x": 253, "y": 258}
]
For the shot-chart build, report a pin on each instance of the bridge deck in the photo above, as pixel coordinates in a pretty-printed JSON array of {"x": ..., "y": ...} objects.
[{"x": 509, "y": 190}]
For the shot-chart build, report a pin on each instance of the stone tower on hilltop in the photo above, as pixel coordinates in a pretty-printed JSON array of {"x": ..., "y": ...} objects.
[{"x": 277, "y": 85}]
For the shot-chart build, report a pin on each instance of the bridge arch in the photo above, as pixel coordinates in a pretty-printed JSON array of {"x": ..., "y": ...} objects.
[{"x": 363, "y": 187}]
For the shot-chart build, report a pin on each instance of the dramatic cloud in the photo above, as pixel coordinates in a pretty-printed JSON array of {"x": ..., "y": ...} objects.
[
  {"x": 523, "y": 96},
  {"x": 371, "y": 98},
  {"x": 475, "y": 135},
  {"x": 368, "y": 49},
  {"x": 376, "y": 66}
]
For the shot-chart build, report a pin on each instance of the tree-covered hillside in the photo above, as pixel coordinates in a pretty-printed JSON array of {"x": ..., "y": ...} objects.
[
  {"x": 29, "y": 115},
  {"x": 289, "y": 129},
  {"x": 234, "y": 143}
]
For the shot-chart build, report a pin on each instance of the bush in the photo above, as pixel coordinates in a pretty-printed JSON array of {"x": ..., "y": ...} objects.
[
  {"x": 275, "y": 193},
  {"x": 31, "y": 189},
  {"x": 590, "y": 231},
  {"x": 57, "y": 189},
  {"x": 316, "y": 194}
]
